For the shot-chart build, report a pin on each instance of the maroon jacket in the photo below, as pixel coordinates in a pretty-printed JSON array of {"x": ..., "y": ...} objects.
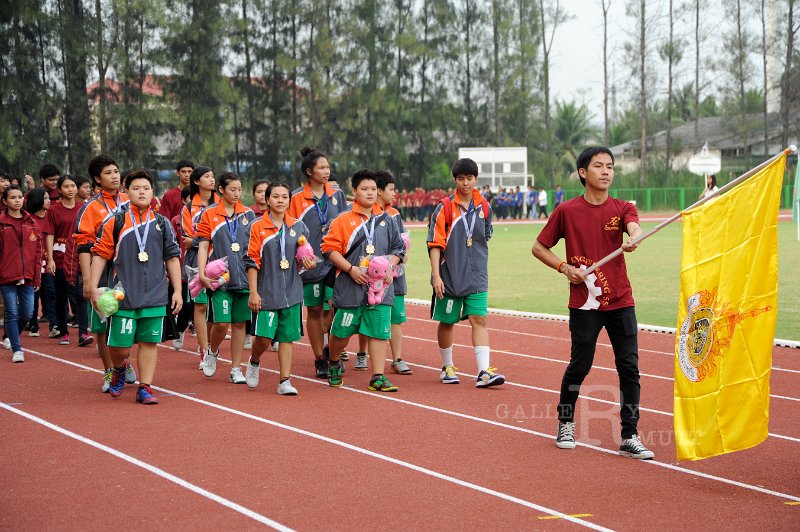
[{"x": 27, "y": 264}]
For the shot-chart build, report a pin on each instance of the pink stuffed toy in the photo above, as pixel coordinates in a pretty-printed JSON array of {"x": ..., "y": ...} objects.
[
  {"x": 378, "y": 269},
  {"x": 216, "y": 269},
  {"x": 304, "y": 250}
]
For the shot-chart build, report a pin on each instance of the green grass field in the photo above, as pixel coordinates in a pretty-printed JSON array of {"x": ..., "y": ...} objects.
[{"x": 518, "y": 281}]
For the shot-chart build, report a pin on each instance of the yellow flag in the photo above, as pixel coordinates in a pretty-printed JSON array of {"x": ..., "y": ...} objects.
[{"x": 726, "y": 318}]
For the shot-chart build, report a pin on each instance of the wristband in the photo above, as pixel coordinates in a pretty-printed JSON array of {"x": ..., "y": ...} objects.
[
  {"x": 350, "y": 269},
  {"x": 560, "y": 264}
]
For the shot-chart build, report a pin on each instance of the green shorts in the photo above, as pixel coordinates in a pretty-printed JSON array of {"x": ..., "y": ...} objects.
[
  {"x": 453, "y": 309},
  {"x": 228, "y": 306},
  {"x": 283, "y": 325},
  {"x": 399, "y": 310},
  {"x": 202, "y": 297},
  {"x": 373, "y": 322},
  {"x": 316, "y": 294},
  {"x": 97, "y": 324},
  {"x": 127, "y": 327}
]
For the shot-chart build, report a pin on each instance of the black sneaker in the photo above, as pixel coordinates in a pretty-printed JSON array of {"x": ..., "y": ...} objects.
[
  {"x": 321, "y": 365},
  {"x": 634, "y": 448},
  {"x": 566, "y": 435}
]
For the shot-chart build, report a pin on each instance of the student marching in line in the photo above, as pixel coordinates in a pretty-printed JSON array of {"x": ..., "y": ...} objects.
[
  {"x": 20, "y": 266},
  {"x": 201, "y": 195},
  {"x": 364, "y": 232},
  {"x": 62, "y": 216},
  {"x": 171, "y": 203},
  {"x": 37, "y": 203},
  {"x": 139, "y": 243},
  {"x": 317, "y": 204},
  {"x": 224, "y": 231},
  {"x": 187, "y": 310},
  {"x": 260, "y": 205},
  {"x": 276, "y": 288},
  {"x": 104, "y": 172},
  {"x": 592, "y": 225},
  {"x": 458, "y": 245}
]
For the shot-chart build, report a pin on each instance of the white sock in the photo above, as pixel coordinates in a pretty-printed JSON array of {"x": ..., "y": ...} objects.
[
  {"x": 447, "y": 355},
  {"x": 482, "y": 357},
  {"x": 325, "y": 339}
]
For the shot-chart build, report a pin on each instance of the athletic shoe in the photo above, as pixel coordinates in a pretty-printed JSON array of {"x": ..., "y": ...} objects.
[
  {"x": 248, "y": 341},
  {"x": 64, "y": 340},
  {"x": 335, "y": 375},
  {"x": 18, "y": 356},
  {"x": 634, "y": 448},
  {"x": 344, "y": 356},
  {"x": 85, "y": 339},
  {"x": 210, "y": 363},
  {"x": 380, "y": 383},
  {"x": 108, "y": 374},
  {"x": 54, "y": 332},
  {"x": 361, "y": 362},
  {"x": 34, "y": 332},
  {"x": 236, "y": 376},
  {"x": 117, "y": 385},
  {"x": 130, "y": 373},
  {"x": 566, "y": 435},
  {"x": 7, "y": 343},
  {"x": 487, "y": 377},
  {"x": 321, "y": 366},
  {"x": 400, "y": 367},
  {"x": 448, "y": 375},
  {"x": 145, "y": 396},
  {"x": 177, "y": 343},
  {"x": 202, "y": 353},
  {"x": 286, "y": 388},
  {"x": 275, "y": 345},
  {"x": 251, "y": 375}
]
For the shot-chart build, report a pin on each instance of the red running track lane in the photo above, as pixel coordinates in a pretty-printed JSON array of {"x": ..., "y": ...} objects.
[{"x": 583, "y": 481}]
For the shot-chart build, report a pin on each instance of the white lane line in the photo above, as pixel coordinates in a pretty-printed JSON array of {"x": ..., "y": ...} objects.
[
  {"x": 565, "y": 362},
  {"x": 150, "y": 468},
  {"x": 326, "y": 439}
]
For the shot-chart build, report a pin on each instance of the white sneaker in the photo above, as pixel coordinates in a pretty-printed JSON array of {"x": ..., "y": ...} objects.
[
  {"x": 251, "y": 376},
  {"x": 202, "y": 354},
  {"x": 177, "y": 343},
  {"x": 130, "y": 374},
  {"x": 236, "y": 376},
  {"x": 286, "y": 388},
  {"x": 275, "y": 345},
  {"x": 248, "y": 341},
  {"x": 108, "y": 374},
  {"x": 210, "y": 363},
  {"x": 18, "y": 356},
  {"x": 7, "y": 344}
]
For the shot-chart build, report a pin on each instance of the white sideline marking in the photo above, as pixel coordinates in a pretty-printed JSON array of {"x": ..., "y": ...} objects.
[
  {"x": 303, "y": 432},
  {"x": 386, "y": 397},
  {"x": 150, "y": 468}
]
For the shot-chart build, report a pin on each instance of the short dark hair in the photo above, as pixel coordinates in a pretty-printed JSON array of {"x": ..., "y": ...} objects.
[
  {"x": 383, "y": 179},
  {"x": 8, "y": 189},
  {"x": 96, "y": 165},
  {"x": 183, "y": 163},
  {"x": 48, "y": 170},
  {"x": 141, "y": 173},
  {"x": 586, "y": 156},
  {"x": 226, "y": 178},
  {"x": 80, "y": 180},
  {"x": 361, "y": 175},
  {"x": 185, "y": 191},
  {"x": 34, "y": 201},
  {"x": 464, "y": 167},
  {"x": 66, "y": 177},
  {"x": 259, "y": 182},
  {"x": 272, "y": 186}
]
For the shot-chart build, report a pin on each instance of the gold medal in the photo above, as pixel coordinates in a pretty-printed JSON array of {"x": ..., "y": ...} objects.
[
  {"x": 284, "y": 264},
  {"x": 469, "y": 242},
  {"x": 235, "y": 247},
  {"x": 244, "y": 221},
  {"x": 370, "y": 249},
  {"x": 143, "y": 256},
  {"x": 480, "y": 213},
  {"x": 334, "y": 201},
  {"x": 291, "y": 232}
]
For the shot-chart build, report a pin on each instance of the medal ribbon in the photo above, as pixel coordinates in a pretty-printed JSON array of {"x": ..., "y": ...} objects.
[
  {"x": 232, "y": 231},
  {"x": 322, "y": 214},
  {"x": 369, "y": 233},
  {"x": 282, "y": 241},
  {"x": 469, "y": 228},
  {"x": 141, "y": 240}
]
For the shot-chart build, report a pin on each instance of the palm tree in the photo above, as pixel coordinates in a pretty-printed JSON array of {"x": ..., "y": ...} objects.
[{"x": 572, "y": 130}]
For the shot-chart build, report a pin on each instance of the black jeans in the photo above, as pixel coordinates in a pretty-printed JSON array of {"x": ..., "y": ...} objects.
[{"x": 585, "y": 326}]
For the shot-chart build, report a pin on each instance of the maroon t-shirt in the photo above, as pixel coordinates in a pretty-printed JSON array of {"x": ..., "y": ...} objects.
[
  {"x": 62, "y": 221},
  {"x": 591, "y": 232},
  {"x": 171, "y": 203}
]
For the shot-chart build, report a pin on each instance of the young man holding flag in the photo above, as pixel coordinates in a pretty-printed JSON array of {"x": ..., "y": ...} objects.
[{"x": 592, "y": 225}]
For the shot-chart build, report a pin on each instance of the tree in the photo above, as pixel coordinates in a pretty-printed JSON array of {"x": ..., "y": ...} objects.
[
  {"x": 788, "y": 80},
  {"x": 605, "y": 5},
  {"x": 638, "y": 54},
  {"x": 572, "y": 128},
  {"x": 738, "y": 45},
  {"x": 672, "y": 52}
]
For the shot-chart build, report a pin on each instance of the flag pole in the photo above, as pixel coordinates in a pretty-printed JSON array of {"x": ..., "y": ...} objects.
[{"x": 750, "y": 173}]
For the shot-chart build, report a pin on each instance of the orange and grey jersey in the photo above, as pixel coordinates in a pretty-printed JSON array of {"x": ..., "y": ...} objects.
[
  {"x": 317, "y": 215},
  {"x": 347, "y": 234},
  {"x": 400, "y": 287},
  {"x": 228, "y": 237},
  {"x": 278, "y": 287},
  {"x": 464, "y": 264},
  {"x": 91, "y": 217},
  {"x": 144, "y": 281},
  {"x": 190, "y": 215}
]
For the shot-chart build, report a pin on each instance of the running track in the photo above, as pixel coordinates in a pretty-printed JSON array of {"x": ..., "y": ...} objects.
[{"x": 430, "y": 456}]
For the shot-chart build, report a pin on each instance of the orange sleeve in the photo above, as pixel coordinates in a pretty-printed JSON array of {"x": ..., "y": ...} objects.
[
  {"x": 104, "y": 247},
  {"x": 439, "y": 237},
  {"x": 293, "y": 205},
  {"x": 186, "y": 222},
  {"x": 204, "y": 226},
  {"x": 87, "y": 226},
  {"x": 256, "y": 240},
  {"x": 337, "y": 237}
]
